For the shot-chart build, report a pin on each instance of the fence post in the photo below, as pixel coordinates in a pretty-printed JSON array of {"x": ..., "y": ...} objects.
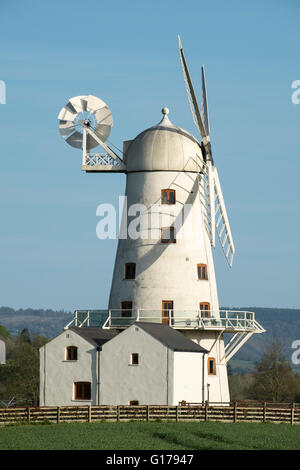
[
  {"x": 147, "y": 409},
  {"x": 58, "y": 415},
  {"x": 235, "y": 412},
  {"x": 292, "y": 413},
  {"x": 90, "y": 414},
  {"x": 206, "y": 411},
  {"x": 264, "y": 411},
  {"x": 28, "y": 415},
  {"x": 118, "y": 413},
  {"x": 177, "y": 416}
]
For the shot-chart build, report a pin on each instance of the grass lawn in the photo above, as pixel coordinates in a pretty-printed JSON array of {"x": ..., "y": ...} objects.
[{"x": 152, "y": 436}]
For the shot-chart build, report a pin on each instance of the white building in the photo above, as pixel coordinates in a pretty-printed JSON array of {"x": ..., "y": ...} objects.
[
  {"x": 2, "y": 352},
  {"x": 147, "y": 363}
]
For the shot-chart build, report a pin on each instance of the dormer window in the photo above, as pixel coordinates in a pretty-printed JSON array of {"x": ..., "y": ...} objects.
[
  {"x": 71, "y": 353},
  {"x": 168, "y": 196}
]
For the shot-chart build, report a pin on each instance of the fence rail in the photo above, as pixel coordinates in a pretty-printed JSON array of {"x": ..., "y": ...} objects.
[{"x": 234, "y": 412}]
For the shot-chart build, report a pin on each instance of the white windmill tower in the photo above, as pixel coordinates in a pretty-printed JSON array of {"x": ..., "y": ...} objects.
[{"x": 164, "y": 270}]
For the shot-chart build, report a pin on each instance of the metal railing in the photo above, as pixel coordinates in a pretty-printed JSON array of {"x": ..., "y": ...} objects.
[{"x": 227, "y": 320}]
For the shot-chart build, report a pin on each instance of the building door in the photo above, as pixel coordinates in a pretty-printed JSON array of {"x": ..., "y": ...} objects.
[
  {"x": 205, "y": 309},
  {"x": 167, "y": 311}
]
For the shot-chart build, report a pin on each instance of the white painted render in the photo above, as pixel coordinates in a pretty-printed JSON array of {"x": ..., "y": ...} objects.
[
  {"x": 57, "y": 375},
  {"x": 164, "y": 271},
  {"x": 150, "y": 382},
  {"x": 162, "y": 377},
  {"x": 188, "y": 385}
]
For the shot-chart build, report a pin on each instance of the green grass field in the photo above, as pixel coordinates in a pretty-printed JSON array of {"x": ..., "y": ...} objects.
[{"x": 152, "y": 436}]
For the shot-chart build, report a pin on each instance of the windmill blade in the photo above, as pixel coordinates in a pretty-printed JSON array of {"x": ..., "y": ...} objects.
[
  {"x": 222, "y": 223},
  {"x": 191, "y": 96},
  {"x": 75, "y": 140},
  {"x": 204, "y": 106},
  {"x": 66, "y": 128}
]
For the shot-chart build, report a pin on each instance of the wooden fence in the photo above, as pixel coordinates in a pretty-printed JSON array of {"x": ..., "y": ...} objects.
[{"x": 233, "y": 412}]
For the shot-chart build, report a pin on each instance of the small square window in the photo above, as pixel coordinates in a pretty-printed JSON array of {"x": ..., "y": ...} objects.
[
  {"x": 168, "y": 235},
  {"x": 134, "y": 359},
  {"x": 133, "y": 403},
  {"x": 71, "y": 353},
  {"x": 168, "y": 196},
  {"x": 82, "y": 390}
]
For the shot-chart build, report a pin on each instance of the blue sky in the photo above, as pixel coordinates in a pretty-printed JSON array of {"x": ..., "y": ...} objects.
[{"x": 126, "y": 53}]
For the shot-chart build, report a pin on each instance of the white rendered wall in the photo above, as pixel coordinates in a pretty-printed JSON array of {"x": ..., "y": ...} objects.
[
  {"x": 57, "y": 375},
  {"x": 187, "y": 377},
  {"x": 165, "y": 271},
  {"x": 213, "y": 342},
  {"x": 150, "y": 382}
]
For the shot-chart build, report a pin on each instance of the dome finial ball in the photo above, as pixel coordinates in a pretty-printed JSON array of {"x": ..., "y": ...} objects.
[{"x": 165, "y": 111}]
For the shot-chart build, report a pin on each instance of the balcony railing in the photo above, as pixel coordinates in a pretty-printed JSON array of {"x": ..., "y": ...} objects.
[{"x": 226, "y": 320}]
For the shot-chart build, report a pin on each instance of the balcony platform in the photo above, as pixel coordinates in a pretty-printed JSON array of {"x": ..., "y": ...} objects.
[{"x": 227, "y": 321}]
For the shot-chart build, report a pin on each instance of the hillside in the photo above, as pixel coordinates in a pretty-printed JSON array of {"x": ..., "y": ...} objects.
[
  {"x": 47, "y": 323},
  {"x": 279, "y": 323}
]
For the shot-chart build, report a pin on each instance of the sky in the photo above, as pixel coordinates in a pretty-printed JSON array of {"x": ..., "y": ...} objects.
[{"x": 126, "y": 53}]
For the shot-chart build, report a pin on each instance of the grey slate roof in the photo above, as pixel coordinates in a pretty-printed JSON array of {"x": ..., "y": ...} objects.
[
  {"x": 95, "y": 335},
  {"x": 164, "y": 333},
  {"x": 170, "y": 337}
]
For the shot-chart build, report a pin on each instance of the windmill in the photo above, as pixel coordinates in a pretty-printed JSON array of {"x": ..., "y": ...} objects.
[{"x": 161, "y": 277}]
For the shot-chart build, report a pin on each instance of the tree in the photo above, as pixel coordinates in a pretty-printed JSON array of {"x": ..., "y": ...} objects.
[
  {"x": 273, "y": 379},
  {"x": 24, "y": 336},
  {"x": 20, "y": 376},
  {"x": 4, "y": 333}
]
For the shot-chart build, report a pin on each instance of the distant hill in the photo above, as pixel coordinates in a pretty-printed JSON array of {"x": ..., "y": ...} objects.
[
  {"x": 279, "y": 323},
  {"x": 47, "y": 323}
]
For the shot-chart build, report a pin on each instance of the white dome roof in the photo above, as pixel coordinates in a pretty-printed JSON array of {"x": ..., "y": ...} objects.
[{"x": 163, "y": 147}]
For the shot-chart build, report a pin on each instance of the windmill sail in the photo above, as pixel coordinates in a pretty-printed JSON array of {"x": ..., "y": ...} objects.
[
  {"x": 204, "y": 106},
  {"x": 210, "y": 193},
  {"x": 222, "y": 223}
]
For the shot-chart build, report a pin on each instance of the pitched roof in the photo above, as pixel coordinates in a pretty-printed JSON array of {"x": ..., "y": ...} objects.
[
  {"x": 95, "y": 335},
  {"x": 170, "y": 337}
]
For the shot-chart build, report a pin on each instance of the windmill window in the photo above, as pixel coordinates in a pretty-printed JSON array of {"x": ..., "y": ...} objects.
[
  {"x": 133, "y": 403},
  {"x": 126, "y": 307},
  {"x": 211, "y": 366},
  {"x": 168, "y": 235},
  {"x": 130, "y": 271},
  {"x": 168, "y": 196},
  {"x": 205, "y": 309},
  {"x": 71, "y": 353},
  {"x": 202, "y": 271},
  {"x": 82, "y": 390}
]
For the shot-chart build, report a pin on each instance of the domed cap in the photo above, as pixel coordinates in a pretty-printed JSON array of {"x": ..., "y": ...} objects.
[{"x": 164, "y": 147}]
